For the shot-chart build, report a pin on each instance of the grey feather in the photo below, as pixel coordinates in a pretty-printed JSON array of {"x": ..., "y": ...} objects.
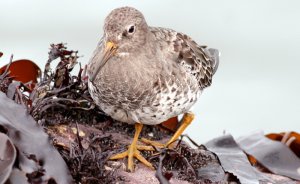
[{"x": 215, "y": 55}]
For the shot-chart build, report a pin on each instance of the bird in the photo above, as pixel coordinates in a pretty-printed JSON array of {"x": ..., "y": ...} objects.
[{"x": 144, "y": 75}]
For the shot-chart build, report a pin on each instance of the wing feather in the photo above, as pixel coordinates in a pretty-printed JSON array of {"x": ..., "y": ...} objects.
[{"x": 197, "y": 60}]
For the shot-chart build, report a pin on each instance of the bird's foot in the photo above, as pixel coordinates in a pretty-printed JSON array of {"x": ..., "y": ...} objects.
[{"x": 133, "y": 151}]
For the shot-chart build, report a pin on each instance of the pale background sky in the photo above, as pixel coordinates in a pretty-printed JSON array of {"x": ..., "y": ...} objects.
[{"x": 256, "y": 86}]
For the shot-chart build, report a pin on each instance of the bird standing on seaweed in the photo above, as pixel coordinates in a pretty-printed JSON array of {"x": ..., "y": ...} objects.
[{"x": 145, "y": 75}]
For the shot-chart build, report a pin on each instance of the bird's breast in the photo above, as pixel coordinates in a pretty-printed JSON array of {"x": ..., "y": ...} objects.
[{"x": 122, "y": 83}]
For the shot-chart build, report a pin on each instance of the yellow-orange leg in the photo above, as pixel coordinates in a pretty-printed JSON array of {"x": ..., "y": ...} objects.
[
  {"x": 133, "y": 150},
  {"x": 185, "y": 122}
]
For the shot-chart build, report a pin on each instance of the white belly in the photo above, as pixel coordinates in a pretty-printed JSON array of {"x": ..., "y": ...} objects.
[{"x": 165, "y": 107}]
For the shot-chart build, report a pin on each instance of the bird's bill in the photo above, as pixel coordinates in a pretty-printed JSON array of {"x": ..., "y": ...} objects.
[
  {"x": 109, "y": 51},
  {"x": 106, "y": 54},
  {"x": 110, "y": 46}
]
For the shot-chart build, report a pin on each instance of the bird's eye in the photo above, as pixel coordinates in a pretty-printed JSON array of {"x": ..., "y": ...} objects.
[{"x": 131, "y": 29}]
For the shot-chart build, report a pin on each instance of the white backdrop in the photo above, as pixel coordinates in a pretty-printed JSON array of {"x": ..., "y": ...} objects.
[{"x": 256, "y": 87}]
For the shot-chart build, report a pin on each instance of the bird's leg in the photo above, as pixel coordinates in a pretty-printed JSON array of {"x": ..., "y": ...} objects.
[
  {"x": 185, "y": 122},
  {"x": 133, "y": 150}
]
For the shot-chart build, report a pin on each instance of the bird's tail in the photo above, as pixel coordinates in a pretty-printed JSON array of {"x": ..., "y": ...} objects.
[{"x": 215, "y": 55}]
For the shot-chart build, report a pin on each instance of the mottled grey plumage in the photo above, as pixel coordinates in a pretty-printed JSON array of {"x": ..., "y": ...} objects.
[{"x": 152, "y": 75}]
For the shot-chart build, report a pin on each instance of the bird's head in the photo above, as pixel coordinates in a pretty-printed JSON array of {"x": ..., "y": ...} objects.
[
  {"x": 125, "y": 32},
  {"x": 126, "y": 29}
]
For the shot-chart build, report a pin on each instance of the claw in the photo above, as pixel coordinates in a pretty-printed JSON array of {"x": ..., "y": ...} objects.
[{"x": 133, "y": 151}]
